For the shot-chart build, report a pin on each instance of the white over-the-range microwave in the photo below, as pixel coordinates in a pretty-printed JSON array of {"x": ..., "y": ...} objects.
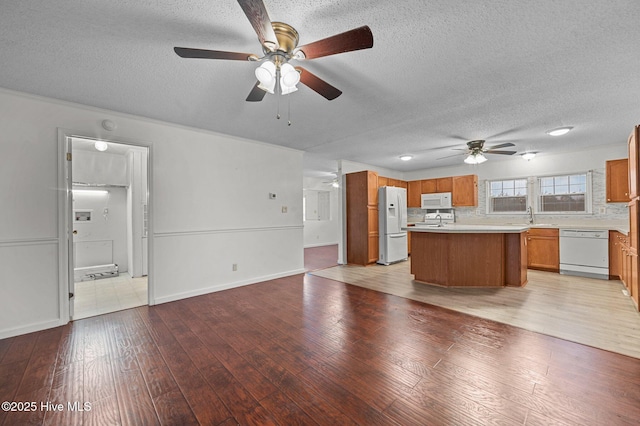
[{"x": 440, "y": 200}]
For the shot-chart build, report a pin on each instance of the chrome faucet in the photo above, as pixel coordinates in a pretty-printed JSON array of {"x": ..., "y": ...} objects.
[
  {"x": 439, "y": 217},
  {"x": 530, "y": 215}
]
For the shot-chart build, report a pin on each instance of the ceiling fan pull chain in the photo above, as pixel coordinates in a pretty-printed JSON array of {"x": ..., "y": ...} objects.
[
  {"x": 289, "y": 110},
  {"x": 278, "y": 91}
]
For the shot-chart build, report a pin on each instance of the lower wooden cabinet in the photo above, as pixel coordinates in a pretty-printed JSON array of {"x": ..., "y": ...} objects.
[
  {"x": 615, "y": 255},
  {"x": 623, "y": 263},
  {"x": 543, "y": 251}
]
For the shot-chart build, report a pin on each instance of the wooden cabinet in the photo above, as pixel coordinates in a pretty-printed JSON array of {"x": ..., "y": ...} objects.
[
  {"x": 464, "y": 191},
  {"x": 617, "y": 178},
  {"x": 428, "y": 186},
  {"x": 622, "y": 260},
  {"x": 630, "y": 261},
  {"x": 444, "y": 184},
  {"x": 362, "y": 217},
  {"x": 615, "y": 255},
  {"x": 387, "y": 181},
  {"x": 543, "y": 251},
  {"x": 633, "y": 162},
  {"x": 413, "y": 194}
]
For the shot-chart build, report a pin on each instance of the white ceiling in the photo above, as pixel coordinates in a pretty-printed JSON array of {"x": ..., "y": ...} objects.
[{"x": 440, "y": 72}]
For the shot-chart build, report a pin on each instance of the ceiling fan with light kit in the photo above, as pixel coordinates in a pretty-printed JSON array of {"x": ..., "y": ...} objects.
[
  {"x": 475, "y": 151},
  {"x": 280, "y": 46}
]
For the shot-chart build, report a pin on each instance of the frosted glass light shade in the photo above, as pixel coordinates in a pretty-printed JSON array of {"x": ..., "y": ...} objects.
[
  {"x": 290, "y": 77},
  {"x": 266, "y": 73},
  {"x": 284, "y": 90},
  {"x": 475, "y": 158}
]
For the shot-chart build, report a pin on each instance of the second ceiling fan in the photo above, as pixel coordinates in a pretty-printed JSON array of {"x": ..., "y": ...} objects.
[
  {"x": 280, "y": 45},
  {"x": 475, "y": 151}
]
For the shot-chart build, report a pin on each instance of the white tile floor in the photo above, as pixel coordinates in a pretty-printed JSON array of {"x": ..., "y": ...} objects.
[{"x": 108, "y": 295}]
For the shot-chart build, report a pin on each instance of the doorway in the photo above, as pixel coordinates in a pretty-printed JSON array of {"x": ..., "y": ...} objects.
[{"x": 108, "y": 253}]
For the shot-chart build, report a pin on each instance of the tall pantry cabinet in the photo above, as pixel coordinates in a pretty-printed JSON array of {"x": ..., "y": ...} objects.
[
  {"x": 362, "y": 217},
  {"x": 634, "y": 196}
]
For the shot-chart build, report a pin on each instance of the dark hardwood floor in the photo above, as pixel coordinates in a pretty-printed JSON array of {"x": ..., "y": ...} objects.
[
  {"x": 309, "y": 350},
  {"x": 320, "y": 257}
]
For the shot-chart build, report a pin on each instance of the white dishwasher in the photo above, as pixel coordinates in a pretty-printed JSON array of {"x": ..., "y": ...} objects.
[{"x": 584, "y": 252}]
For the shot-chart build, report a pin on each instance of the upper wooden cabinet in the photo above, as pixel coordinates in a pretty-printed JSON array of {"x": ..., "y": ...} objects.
[
  {"x": 387, "y": 181},
  {"x": 444, "y": 184},
  {"x": 428, "y": 186},
  {"x": 414, "y": 191},
  {"x": 617, "y": 181},
  {"x": 633, "y": 162},
  {"x": 464, "y": 192}
]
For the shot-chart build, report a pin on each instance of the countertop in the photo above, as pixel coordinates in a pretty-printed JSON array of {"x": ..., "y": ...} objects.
[
  {"x": 595, "y": 226},
  {"x": 470, "y": 229}
]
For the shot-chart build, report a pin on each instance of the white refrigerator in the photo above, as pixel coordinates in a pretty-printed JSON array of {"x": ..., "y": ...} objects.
[{"x": 392, "y": 213}]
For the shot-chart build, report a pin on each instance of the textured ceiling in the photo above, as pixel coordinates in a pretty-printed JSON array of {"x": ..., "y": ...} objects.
[{"x": 440, "y": 72}]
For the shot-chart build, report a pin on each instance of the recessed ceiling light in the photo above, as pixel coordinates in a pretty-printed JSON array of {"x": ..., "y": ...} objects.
[
  {"x": 529, "y": 155},
  {"x": 559, "y": 131},
  {"x": 101, "y": 146},
  {"x": 406, "y": 157}
]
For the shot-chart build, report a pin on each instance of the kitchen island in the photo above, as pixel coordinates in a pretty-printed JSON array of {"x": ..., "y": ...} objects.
[{"x": 458, "y": 255}]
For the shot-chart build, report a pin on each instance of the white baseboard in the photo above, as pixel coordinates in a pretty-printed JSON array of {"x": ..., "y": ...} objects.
[
  {"x": 18, "y": 331},
  {"x": 224, "y": 286},
  {"x": 321, "y": 245}
]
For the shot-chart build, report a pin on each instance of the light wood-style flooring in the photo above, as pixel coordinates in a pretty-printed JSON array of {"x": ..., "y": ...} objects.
[{"x": 583, "y": 310}]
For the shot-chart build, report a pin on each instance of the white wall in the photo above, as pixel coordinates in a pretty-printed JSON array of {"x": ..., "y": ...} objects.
[
  {"x": 322, "y": 232},
  {"x": 206, "y": 191},
  {"x": 111, "y": 227},
  {"x": 97, "y": 167}
]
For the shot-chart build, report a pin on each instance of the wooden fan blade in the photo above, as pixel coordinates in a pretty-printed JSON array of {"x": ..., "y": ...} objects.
[
  {"x": 490, "y": 151},
  {"x": 186, "y": 52},
  {"x": 317, "y": 84},
  {"x": 256, "y": 94},
  {"x": 502, "y": 145},
  {"x": 356, "y": 39},
  {"x": 257, "y": 14}
]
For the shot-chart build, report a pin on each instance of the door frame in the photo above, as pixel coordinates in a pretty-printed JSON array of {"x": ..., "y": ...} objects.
[{"x": 65, "y": 213}]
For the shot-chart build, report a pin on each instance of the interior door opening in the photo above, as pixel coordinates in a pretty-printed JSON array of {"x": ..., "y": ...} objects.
[{"x": 109, "y": 226}]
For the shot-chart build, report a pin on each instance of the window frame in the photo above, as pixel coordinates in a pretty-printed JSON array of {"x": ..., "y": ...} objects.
[
  {"x": 534, "y": 195},
  {"x": 488, "y": 197},
  {"x": 587, "y": 199}
]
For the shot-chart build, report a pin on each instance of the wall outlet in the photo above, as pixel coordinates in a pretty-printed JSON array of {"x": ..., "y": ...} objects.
[
  {"x": 284, "y": 209},
  {"x": 603, "y": 210},
  {"x": 234, "y": 267}
]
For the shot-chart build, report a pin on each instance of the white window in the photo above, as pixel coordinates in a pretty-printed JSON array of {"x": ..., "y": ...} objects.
[
  {"x": 507, "y": 196},
  {"x": 564, "y": 194}
]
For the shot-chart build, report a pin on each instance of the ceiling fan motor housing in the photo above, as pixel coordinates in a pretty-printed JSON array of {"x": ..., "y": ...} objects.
[{"x": 287, "y": 37}]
